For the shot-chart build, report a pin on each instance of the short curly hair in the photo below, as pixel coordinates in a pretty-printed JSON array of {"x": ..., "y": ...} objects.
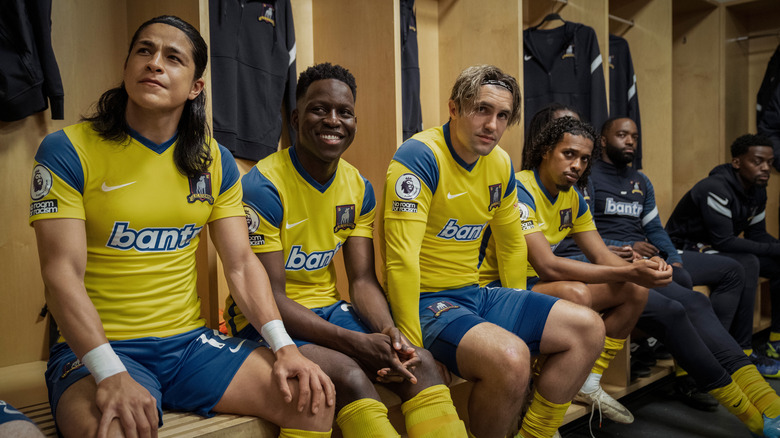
[
  {"x": 744, "y": 142},
  {"x": 541, "y": 119},
  {"x": 551, "y": 135},
  {"x": 323, "y": 71},
  {"x": 465, "y": 91}
]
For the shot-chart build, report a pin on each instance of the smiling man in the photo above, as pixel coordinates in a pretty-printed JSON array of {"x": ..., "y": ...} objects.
[
  {"x": 729, "y": 202},
  {"x": 303, "y": 204},
  {"x": 444, "y": 186}
]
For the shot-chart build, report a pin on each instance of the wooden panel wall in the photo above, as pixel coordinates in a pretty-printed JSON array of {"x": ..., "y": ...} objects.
[
  {"x": 86, "y": 70},
  {"x": 427, "y": 13}
]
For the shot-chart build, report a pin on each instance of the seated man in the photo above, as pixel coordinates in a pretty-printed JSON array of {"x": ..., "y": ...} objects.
[
  {"x": 550, "y": 210},
  {"x": 685, "y": 322},
  {"x": 444, "y": 185},
  {"x": 729, "y": 202},
  {"x": 291, "y": 199}
]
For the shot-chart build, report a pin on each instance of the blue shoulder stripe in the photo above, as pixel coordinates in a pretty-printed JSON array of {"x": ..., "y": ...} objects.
[
  {"x": 229, "y": 170},
  {"x": 419, "y": 158},
  {"x": 583, "y": 204},
  {"x": 59, "y": 156},
  {"x": 369, "y": 201},
  {"x": 262, "y": 195},
  {"x": 512, "y": 180},
  {"x": 524, "y": 196}
]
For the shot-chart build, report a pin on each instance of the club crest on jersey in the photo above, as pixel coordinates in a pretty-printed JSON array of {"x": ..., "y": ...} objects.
[
  {"x": 566, "y": 219},
  {"x": 636, "y": 188},
  {"x": 200, "y": 189},
  {"x": 41, "y": 182},
  {"x": 612, "y": 62},
  {"x": 569, "y": 52},
  {"x": 269, "y": 14},
  {"x": 345, "y": 218},
  {"x": 408, "y": 186},
  {"x": 440, "y": 307},
  {"x": 495, "y": 196},
  {"x": 70, "y": 367}
]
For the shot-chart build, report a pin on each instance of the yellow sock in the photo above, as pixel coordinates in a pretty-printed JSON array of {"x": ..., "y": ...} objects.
[
  {"x": 543, "y": 418},
  {"x": 748, "y": 352},
  {"x": 611, "y": 348},
  {"x": 679, "y": 371},
  {"x": 431, "y": 414},
  {"x": 758, "y": 391},
  {"x": 735, "y": 401},
  {"x": 774, "y": 336},
  {"x": 365, "y": 418},
  {"x": 296, "y": 433}
]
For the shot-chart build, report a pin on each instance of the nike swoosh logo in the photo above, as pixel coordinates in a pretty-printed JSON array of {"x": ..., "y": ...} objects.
[
  {"x": 288, "y": 226},
  {"x": 540, "y": 224},
  {"x": 107, "y": 188},
  {"x": 526, "y": 57},
  {"x": 10, "y": 411},
  {"x": 451, "y": 196},
  {"x": 718, "y": 198},
  {"x": 238, "y": 347}
]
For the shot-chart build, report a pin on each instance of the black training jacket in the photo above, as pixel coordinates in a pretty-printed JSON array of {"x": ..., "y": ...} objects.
[
  {"x": 29, "y": 76},
  {"x": 714, "y": 213}
]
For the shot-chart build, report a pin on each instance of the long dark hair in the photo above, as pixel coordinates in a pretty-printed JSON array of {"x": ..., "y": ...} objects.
[{"x": 192, "y": 154}]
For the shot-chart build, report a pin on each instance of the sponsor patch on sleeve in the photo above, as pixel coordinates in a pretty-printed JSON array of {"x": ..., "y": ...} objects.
[
  {"x": 256, "y": 239},
  {"x": 406, "y": 207},
  {"x": 528, "y": 225},
  {"x": 43, "y": 207}
]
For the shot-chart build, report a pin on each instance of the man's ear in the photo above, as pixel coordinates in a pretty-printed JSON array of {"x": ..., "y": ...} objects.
[
  {"x": 736, "y": 162},
  {"x": 603, "y": 141},
  {"x": 294, "y": 119},
  {"x": 197, "y": 87},
  {"x": 453, "y": 108}
]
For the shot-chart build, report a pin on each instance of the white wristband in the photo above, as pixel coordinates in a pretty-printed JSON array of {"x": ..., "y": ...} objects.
[
  {"x": 274, "y": 333},
  {"x": 102, "y": 362}
]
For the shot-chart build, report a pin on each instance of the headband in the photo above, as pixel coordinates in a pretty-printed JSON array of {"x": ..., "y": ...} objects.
[{"x": 498, "y": 83}]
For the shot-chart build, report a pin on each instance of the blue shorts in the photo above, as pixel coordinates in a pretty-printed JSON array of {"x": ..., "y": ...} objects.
[
  {"x": 8, "y": 413},
  {"x": 446, "y": 316},
  {"x": 340, "y": 314},
  {"x": 530, "y": 282},
  {"x": 185, "y": 372}
]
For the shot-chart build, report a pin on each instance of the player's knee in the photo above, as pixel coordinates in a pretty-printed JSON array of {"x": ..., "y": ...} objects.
[
  {"x": 427, "y": 372},
  {"x": 696, "y": 302},
  {"x": 586, "y": 328},
  {"x": 351, "y": 381},
  {"x": 577, "y": 293},
  {"x": 636, "y": 295}
]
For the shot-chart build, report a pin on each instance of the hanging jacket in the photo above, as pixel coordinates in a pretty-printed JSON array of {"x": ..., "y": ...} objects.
[
  {"x": 253, "y": 73},
  {"x": 410, "y": 72},
  {"x": 768, "y": 105},
  {"x": 768, "y": 84},
  {"x": 29, "y": 76},
  {"x": 716, "y": 211},
  {"x": 564, "y": 65},
  {"x": 623, "y": 97}
]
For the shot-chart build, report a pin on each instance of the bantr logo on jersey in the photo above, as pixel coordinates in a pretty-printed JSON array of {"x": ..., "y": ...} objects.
[
  {"x": 151, "y": 239},
  {"x": 566, "y": 220},
  {"x": 495, "y": 196},
  {"x": 633, "y": 209},
  {"x": 345, "y": 218},
  {"x": 313, "y": 261},
  {"x": 461, "y": 233},
  {"x": 200, "y": 189}
]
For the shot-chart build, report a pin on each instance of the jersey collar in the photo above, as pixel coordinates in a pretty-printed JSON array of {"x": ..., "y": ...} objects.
[
  {"x": 455, "y": 156},
  {"x": 158, "y": 148},
  {"x": 313, "y": 182},
  {"x": 547, "y": 194}
]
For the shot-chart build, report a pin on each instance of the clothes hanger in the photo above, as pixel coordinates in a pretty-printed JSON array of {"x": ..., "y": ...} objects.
[{"x": 549, "y": 17}]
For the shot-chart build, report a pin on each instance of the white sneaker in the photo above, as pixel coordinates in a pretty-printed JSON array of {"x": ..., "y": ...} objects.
[{"x": 608, "y": 406}]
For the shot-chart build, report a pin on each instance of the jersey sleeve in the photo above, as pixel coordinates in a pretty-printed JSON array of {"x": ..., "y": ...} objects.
[
  {"x": 263, "y": 207},
  {"x": 407, "y": 202},
  {"x": 526, "y": 206},
  {"x": 57, "y": 185},
  {"x": 651, "y": 223},
  {"x": 584, "y": 219},
  {"x": 228, "y": 201},
  {"x": 511, "y": 250},
  {"x": 364, "y": 226}
]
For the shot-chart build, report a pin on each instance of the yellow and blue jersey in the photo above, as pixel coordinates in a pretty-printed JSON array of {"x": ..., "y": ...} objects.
[
  {"x": 436, "y": 209},
  {"x": 142, "y": 219},
  {"x": 556, "y": 217},
  {"x": 287, "y": 210}
]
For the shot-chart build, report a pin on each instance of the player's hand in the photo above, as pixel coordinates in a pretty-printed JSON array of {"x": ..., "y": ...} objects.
[
  {"x": 624, "y": 252},
  {"x": 651, "y": 273},
  {"x": 121, "y": 397},
  {"x": 677, "y": 265},
  {"x": 406, "y": 354},
  {"x": 645, "y": 249},
  {"x": 314, "y": 386},
  {"x": 376, "y": 353}
]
